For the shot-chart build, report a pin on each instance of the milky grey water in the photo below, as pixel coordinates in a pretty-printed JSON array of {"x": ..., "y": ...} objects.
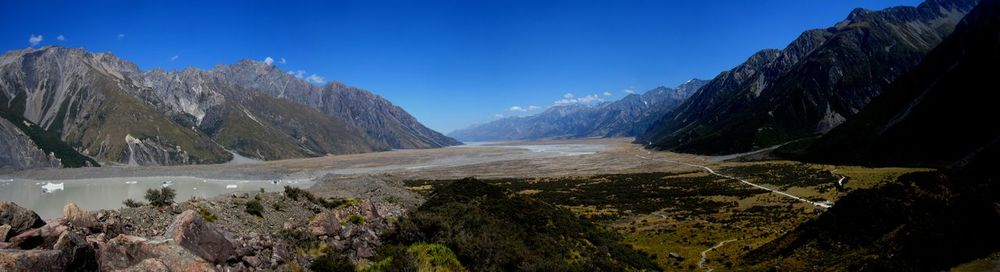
[{"x": 108, "y": 193}]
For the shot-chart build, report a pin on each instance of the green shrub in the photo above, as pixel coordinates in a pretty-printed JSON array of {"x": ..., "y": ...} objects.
[
  {"x": 435, "y": 257},
  {"x": 331, "y": 203},
  {"x": 356, "y": 219},
  {"x": 296, "y": 193},
  {"x": 162, "y": 197},
  {"x": 277, "y": 206},
  {"x": 332, "y": 262},
  {"x": 131, "y": 203},
  {"x": 205, "y": 213},
  {"x": 255, "y": 208}
]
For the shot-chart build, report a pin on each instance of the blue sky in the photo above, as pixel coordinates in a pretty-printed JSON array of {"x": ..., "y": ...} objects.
[{"x": 449, "y": 63}]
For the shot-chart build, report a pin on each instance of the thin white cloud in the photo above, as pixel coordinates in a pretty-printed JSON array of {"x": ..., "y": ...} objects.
[
  {"x": 607, "y": 93},
  {"x": 569, "y": 98},
  {"x": 283, "y": 61},
  {"x": 533, "y": 107},
  {"x": 315, "y": 79},
  {"x": 517, "y": 108},
  {"x": 33, "y": 40},
  {"x": 590, "y": 98},
  {"x": 498, "y": 115},
  {"x": 175, "y": 57},
  {"x": 121, "y": 36},
  {"x": 298, "y": 74},
  {"x": 61, "y": 38},
  {"x": 629, "y": 91},
  {"x": 268, "y": 60}
]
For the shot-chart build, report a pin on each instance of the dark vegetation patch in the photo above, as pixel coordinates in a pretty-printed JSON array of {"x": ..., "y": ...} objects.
[
  {"x": 490, "y": 228},
  {"x": 627, "y": 194},
  {"x": 785, "y": 175},
  {"x": 926, "y": 221}
]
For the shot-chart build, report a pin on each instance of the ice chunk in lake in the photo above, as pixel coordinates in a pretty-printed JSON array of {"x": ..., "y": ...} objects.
[
  {"x": 51, "y": 187},
  {"x": 231, "y": 186}
]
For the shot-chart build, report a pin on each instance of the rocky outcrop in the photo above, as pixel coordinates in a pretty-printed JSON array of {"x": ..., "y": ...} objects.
[
  {"x": 133, "y": 253},
  {"x": 199, "y": 235},
  {"x": 355, "y": 229}
]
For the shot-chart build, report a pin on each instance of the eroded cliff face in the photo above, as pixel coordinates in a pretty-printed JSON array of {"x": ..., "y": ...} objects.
[{"x": 17, "y": 151}]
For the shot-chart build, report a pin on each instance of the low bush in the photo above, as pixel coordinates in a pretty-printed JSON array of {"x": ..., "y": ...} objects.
[
  {"x": 131, "y": 203},
  {"x": 255, "y": 208},
  {"x": 162, "y": 197}
]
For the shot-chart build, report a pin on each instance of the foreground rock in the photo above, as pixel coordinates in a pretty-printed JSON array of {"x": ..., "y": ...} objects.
[
  {"x": 18, "y": 219},
  {"x": 198, "y": 235},
  {"x": 134, "y": 253},
  {"x": 77, "y": 217},
  {"x": 201, "y": 238}
]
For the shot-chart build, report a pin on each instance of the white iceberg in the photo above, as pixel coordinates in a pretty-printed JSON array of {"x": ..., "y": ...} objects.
[
  {"x": 231, "y": 186},
  {"x": 51, "y": 187}
]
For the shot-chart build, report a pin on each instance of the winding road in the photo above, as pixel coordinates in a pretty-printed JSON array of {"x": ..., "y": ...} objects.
[
  {"x": 818, "y": 204},
  {"x": 704, "y": 257}
]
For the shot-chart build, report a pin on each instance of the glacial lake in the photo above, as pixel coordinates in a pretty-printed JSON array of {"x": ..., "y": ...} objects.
[{"x": 47, "y": 198}]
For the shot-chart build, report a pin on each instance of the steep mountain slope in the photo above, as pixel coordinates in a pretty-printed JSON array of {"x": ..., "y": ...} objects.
[
  {"x": 249, "y": 122},
  {"x": 384, "y": 122},
  {"x": 106, "y": 108},
  {"x": 628, "y": 116},
  {"x": 86, "y": 99},
  {"x": 29, "y": 146},
  {"x": 818, "y": 81},
  {"x": 18, "y": 151},
  {"x": 939, "y": 114}
]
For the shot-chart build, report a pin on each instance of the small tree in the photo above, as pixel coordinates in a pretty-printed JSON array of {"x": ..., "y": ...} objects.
[
  {"x": 255, "y": 208},
  {"x": 162, "y": 197}
]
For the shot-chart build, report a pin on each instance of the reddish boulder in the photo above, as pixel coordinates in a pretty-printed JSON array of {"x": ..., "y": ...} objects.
[
  {"x": 31, "y": 260},
  {"x": 325, "y": 223},
  {"x": 43, "y": 237},
  {"x": 204, "y": 239},
  {"x": 133, "y": 253}
]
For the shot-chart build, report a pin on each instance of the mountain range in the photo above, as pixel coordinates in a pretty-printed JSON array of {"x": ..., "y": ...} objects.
[
  {"x": 814, "y": 84},
  {"x": 939, "y": 114},
  {"x": 628, "y": 116},
  {"x": 107, "y": 109}
]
